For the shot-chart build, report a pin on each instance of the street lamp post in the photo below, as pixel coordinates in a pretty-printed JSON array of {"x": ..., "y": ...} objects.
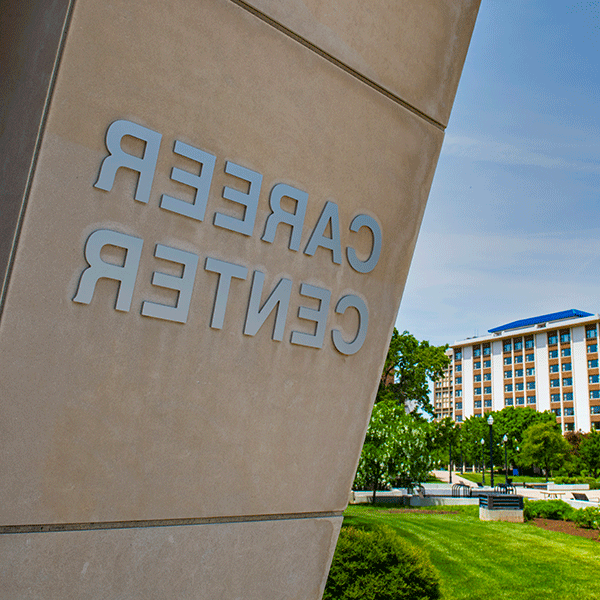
[
  {"x": 482, "y": 461},
  {"x": 505, "y": 439},
  {"x": 490, "y": 423},
  {"x": 450, "y": 465}
]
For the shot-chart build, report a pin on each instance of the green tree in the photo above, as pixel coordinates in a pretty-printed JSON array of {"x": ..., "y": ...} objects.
[
  {"x": 408, "y": 367},
  {"x": 544, "y": 445},
  {"x": 589, "y": 452},
  {"x": 395, "y": 450}
]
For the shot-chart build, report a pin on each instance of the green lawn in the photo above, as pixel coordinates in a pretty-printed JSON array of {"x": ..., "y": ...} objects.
[{"x": 494, "y": 560}]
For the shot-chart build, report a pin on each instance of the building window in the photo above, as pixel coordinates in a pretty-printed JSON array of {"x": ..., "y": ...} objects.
[
  {"x": 518, "y": 359},
  {"x": 508, "y": 402},
  {"x": 477, "y": 391},
  {"x": 590, "y": 334},
  {"x": 567, "y": 381},
  {"x": 458, "y": 380},
  {"x": 568, "y": 397},
  {"x": 477, "y": 365},
  {"x": 477, "y": 352},
  {"x": 458, "y": 406},
  {"x": 552, "y": 339},
  {"x": 518, "y": 372},
  {"x": 553, "y": 354},
  {"x": 592, "y": 348},
  {"x": 458, "y": 393},
  {"x": 487, "y": 364},
  {"x": 487, "y": 403},
  {"x": 528, "y": 344},
  {"x": 507, "y": 347},
  {"x": 553, "y": 368},
  {"x": 529, "y": 357},
  {"x": 507, "y": 360},
  {"x": 487, "y": 350},
  {"x": 530, "y": 371},
  {"x": 569, "y": 426},
  {"x": 555, "y": 383},
  {"x": 519, "y": 386},
  {"x": 508, "y": 387},
  {"x": 594, "y": 394},
  {"x": 556, "y": 411},
  {"x": 520, "y": 400},
  {"x": 477, "y": 377},
  {"x": 507, "y": 374},
  {"x": 593, "y": 364},
  {"x": 459, "y": 418},
  {"x": 477, "y": 403},
  {"x": 531, "y": 385},
  {"x": 458, "y": 355},
  {"x": 554, "y": 397},
  {"x": 565, "y": 337},
  {"x": 569, "y": 411},
  {"x": 487, "y": 390},
  {"x": 565, "y": 352},
  {"x": 566, "y": 366},
  {"x": 487, "y": 376},
  {"x": 518, "y": 345},
  {"x": 594, "y": 378},
  {"x": 458, "y": 368},
  {"x": 595, "y": 410},
  {"x": 530, "y": 399}
]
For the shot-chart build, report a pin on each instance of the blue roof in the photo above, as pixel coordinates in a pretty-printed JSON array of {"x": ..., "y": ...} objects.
[{"x": 565, "y": 314}]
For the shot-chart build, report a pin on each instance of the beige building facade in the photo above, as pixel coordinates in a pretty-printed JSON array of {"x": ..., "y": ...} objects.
[{"x": 209, "y": 212}]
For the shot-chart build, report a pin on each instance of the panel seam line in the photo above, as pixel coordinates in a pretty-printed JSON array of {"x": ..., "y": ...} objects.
[
  {"x": 338, "y": 63},
  {"x": 147, "y": 523}
]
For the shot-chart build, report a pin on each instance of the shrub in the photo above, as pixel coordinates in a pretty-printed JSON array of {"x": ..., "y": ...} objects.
[
  {"x": 379, "y": 565},
  {"x": 548, "y": 509},
  {"x": 588, "y": 518}
]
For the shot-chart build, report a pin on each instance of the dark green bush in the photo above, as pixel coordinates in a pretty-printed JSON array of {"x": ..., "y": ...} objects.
[
  {"x": 588, "y": 518},
  {"x": 379, "y": 565},
  {"x": 548, "y": 509}
]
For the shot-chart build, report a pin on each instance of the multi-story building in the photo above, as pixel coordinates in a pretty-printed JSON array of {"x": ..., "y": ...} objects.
[
  {"x": 548, "y": 362},
  {"x": 443, "y": 392}
]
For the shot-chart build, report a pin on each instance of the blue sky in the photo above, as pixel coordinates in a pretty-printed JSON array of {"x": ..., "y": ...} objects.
[{"x": 512, "y": 226}]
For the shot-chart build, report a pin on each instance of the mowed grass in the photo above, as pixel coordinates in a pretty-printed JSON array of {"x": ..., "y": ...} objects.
[{"x": 494, "y": 560}]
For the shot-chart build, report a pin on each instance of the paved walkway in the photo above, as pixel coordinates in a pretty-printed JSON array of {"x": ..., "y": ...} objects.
[{"x": 531, "y": 493}]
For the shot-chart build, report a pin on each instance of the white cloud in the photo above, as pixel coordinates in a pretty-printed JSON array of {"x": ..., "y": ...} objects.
[
  {"x": 460, "y": 285},
  {"x": 513, "y": 154}
]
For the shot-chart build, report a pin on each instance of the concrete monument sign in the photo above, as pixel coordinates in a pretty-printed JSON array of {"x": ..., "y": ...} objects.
[{"x": 208, "y": 214}]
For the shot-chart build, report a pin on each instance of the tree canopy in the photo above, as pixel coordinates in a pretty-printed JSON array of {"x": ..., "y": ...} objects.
[
  {"x": 408, "y": 367},
  {"x": 396, "y": 450},
  {"x": 589, "y": 452},
  {"x": 544, "y": 445}
]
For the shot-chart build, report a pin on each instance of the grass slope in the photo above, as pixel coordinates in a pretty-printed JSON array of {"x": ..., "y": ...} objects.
[{"x": 494, "y": 560}]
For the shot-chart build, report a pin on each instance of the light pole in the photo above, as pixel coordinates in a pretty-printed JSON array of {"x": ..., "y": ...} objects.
[
  {"x": 490, "y": 423},
  {"x": 450, "y": 465},
  {"x": 482, "y": 461},
  {"x": 505, "y": 439}
]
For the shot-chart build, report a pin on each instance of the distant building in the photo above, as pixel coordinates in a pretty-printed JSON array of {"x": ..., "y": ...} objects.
[{"x": 548, "y": 362}]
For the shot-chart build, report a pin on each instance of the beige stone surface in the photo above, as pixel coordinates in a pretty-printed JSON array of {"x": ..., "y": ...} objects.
[
  {"x": 414, "y": 49},
  {"x": 117, "y": 416},
  {"x": 287, "y": 560}
]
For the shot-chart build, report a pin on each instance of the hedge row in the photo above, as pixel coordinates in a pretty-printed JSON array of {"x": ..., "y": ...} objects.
[{"x": 558, "y": 510}]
